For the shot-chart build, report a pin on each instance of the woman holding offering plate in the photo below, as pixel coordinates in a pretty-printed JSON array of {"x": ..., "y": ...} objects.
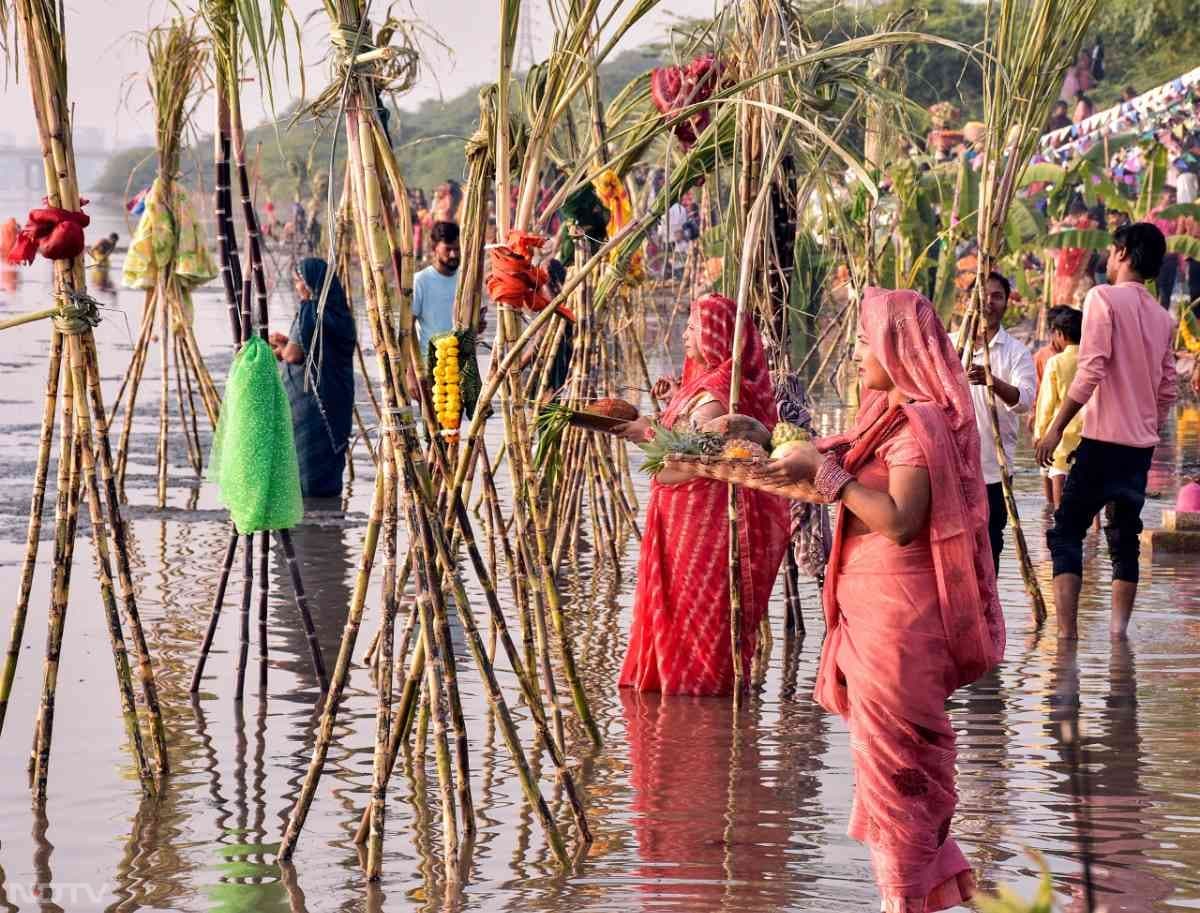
[
  {"x": 910, "y": 595},
  {"x": 680, "y": 640}
]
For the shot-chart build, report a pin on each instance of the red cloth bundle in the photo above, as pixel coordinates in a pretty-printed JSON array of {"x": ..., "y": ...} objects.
[
  {"x": 57, "y": 234},
  {"x": 514, "y": 280},
  {"x": 675, "y": 88}
]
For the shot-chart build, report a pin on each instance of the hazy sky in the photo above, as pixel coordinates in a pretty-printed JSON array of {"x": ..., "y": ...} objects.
[{"x": 105, "y": 54}]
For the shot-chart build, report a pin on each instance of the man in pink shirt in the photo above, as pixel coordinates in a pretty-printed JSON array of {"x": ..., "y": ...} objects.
[{"x": 1126, "y": 378}]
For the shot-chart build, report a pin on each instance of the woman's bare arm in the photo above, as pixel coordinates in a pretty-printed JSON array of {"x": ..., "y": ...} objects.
[{"x": 899, "y": 513}]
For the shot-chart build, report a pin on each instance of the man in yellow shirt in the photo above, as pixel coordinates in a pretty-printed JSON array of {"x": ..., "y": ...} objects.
[{"x": 1066, "y": 328}]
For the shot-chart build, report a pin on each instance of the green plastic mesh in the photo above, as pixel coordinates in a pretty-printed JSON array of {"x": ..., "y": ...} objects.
[{"x": 253, "y": 459}]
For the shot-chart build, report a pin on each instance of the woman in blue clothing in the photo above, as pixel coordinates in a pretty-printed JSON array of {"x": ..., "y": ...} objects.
[{"x": 322, "y": 407}]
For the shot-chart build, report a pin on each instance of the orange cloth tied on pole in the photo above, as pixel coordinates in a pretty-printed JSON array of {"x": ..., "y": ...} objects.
[
  {"x": 612, "y": 193},
  {"x": 514, "y": 281},
  {"x": 57, "y": 234}
]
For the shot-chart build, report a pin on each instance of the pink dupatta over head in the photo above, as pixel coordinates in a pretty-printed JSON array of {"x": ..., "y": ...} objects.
[{"x": 904, "y": 333}]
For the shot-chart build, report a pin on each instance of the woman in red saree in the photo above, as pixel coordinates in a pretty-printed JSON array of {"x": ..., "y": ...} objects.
[
  {"x": 910, "y": 597},
  {"x": 680, "y": 641}
]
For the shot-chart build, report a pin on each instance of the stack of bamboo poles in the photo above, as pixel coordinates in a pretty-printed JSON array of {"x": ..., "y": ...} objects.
[
  {"x": 177, "y": 60},
  {"x": 85, "y": 463},
  {"x": 246, "y": 298},
  {"x": 1030, "y": 44},
  {"x": 429, "y": 695}
]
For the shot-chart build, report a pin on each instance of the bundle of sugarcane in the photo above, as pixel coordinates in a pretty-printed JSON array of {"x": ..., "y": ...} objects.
[
  {"x": 404, "y": 483},
  {"x": 85, "y": 465},
  {"x": 230, "y": 25},
  {"x": 1030, "y": 45},
  {"x": 168, "y": 257}
]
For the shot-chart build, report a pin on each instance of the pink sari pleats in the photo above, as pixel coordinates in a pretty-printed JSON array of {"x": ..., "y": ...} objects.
[{"x": 889, "y": 654}]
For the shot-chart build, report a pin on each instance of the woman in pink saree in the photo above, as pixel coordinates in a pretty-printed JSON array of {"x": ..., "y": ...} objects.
[{"x": 910, "y": 596}]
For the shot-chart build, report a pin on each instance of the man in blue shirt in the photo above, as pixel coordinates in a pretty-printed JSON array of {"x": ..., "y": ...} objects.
[{"x": 434, "y": 287}]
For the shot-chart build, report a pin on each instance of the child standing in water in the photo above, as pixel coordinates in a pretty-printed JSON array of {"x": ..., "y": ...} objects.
[{"x": 1066, "y": 325}]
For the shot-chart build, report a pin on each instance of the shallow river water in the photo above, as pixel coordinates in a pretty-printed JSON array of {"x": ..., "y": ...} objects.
[{"x": 685, "y": 816}]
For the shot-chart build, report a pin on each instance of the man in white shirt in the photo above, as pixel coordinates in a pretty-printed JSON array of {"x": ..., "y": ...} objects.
[{"x": 1014, "y": 379}]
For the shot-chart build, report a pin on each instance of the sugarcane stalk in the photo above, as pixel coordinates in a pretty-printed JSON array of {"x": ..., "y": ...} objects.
[
  {"x": 1028, "y": 574},
  {"x": 34, "y": 533},
  {"x": 120, "y": 539},
  {"x": 145, "y": 331},
  {"x": 193, "y": 446},
  {"x": 215, "y": 615},
  {"x": 244, "y": 631},
  {"x": 165, "y": 392},
  {"x": 341, "y": 672},
  {"x": 66, "y": 511},
  {"x": 384, "y": 678},
  {"x": 264, "y": 549},
  {"x": 137, "y": 368},
  {"x": 433, "y": 679},
  {"x": 284, "y": 537},
  {"x": 77, "y": 347}
]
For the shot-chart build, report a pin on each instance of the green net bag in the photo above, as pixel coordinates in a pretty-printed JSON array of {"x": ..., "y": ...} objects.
[{"x": 253, "y": 460}]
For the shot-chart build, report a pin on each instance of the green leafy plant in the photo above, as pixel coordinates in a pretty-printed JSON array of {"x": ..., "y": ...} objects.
[{"x": 679, "y": 443}]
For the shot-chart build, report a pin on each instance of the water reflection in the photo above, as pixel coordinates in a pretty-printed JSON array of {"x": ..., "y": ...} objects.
[
  {"x": 248, "y": 878},
  {"x": 1100, "y": 782},
  {"x": 984, "y": 734},
  {"x": 709, "y": 814},
  {"x": 327, "y": 568}
]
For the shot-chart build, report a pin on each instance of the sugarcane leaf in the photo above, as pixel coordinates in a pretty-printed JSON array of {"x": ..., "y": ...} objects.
[{"x": 852, "y": 161}]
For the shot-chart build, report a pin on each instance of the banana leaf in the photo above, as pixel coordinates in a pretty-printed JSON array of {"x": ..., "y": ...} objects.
[
  {"x": 1185, "y": 245},
  {"x": 1086, "y": 238},
  {"x": 1181, "y": 211},
  {"x": 1022, "y": 226},
  {"x": 1042, "y": 173}
]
